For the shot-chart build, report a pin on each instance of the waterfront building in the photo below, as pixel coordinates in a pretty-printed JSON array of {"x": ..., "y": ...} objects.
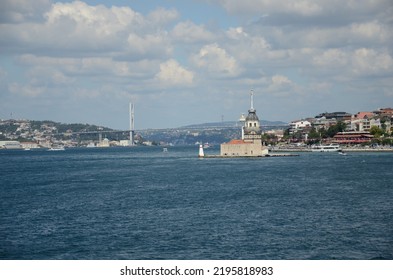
[
  {"x": 251, "y": 143},
  {"x": 104, "y": 143},
  {"x": 352, "y": 137},
  {"x": 29, "y": 145},
  {"x": 324, "y": 123},
  {"x": 384, "y": 112},
  {"x": 10, "y": 145},
  {"x": 125, "y": 143},
  {"x": 299, "y": 125},
  {"x": 363, "y": 121}
]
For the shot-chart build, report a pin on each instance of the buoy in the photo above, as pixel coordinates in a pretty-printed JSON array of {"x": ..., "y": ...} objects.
[{"x": 201, "y": 153}]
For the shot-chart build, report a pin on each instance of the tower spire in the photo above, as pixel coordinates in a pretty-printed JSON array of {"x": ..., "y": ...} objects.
[{"x": 252, "y": 99}]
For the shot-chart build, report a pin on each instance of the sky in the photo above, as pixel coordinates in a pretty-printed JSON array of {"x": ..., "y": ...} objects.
[{"x": 190, "y": 62}]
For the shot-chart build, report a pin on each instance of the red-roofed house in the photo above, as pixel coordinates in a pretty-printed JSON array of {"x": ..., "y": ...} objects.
[
  {"x": 363, "y": 115},
  {"x": 363, "y": 121}
]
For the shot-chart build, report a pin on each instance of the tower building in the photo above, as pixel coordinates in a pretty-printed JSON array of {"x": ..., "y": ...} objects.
[
  {"x": 252, "y": 127},
  {"x": 251, "y": 143}
]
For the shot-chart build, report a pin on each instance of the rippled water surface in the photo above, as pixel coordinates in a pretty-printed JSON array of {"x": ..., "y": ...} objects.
[{"x": 141, "y": 203}]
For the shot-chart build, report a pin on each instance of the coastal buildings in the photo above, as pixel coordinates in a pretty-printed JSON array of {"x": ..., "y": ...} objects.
[
  {"x": 10, "y": 145},
  {"x": 251, "y": 143},
  {"x": 352, "y": 137},
  {"x": 353, "y": 129},
  {"x": 377, "y": 124}
]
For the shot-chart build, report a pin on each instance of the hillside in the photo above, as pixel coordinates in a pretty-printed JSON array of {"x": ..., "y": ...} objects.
[{"x": 38, "y": 131}]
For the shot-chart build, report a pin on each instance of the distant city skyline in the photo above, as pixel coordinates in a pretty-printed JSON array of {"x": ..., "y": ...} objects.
[{"x": 190, "y": 62}]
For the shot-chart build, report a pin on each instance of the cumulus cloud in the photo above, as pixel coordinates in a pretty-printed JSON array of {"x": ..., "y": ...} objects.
[
  {"x": 216, "y": 61},
  {"x": 26, "y": 90},
  {"x": 79, "y": 28},
  {"x": 282, "y": 85},
  {"x": 332, "y": 58},
  {"x": 150, "y": 45},
  {"x": 189, "y": 32},
  {"x": 370, "y": 62},
  {"x": 161, "y": 16},
  {"x": 171, "y": 73},
  {"x": 93, "y": 67}
]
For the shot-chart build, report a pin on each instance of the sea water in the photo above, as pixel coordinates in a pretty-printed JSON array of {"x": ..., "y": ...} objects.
[{"x": 143, "y": 203}]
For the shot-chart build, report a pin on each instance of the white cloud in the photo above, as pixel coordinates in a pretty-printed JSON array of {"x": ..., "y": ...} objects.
[
  {"x": 332, "y": 58},
  {"x": 81, "y": 29},
  {"x": 372, "y": 31},
  {"x": 190, "y": 33},
  {"x": 350, "y": 64},
  {"x": 161, "y": 16},
  {"x": 247, "y": 48},
  {"x": 95, "y": 67},
  {"x": 370, "y": 62},
  {"x": 281, "y": 85},
  {"x": 149, "y": 45},
  {"x": 280, "y": 80},
  {"x": 216, "y": 61},
  {"x": 26, "y": 90},
  {"x": 171, "y": 73}
]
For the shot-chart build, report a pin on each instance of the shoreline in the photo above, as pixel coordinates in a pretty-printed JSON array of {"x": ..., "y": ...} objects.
[
  {"x": 307, "y": 150},
  {"x": 265, "y": 156}
]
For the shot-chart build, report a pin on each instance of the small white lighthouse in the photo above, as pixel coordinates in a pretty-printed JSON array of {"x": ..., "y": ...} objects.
[{"x": 201, "y": 153}]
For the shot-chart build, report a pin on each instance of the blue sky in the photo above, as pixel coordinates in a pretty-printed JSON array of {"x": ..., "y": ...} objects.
[{"x": 188, "y": 62}]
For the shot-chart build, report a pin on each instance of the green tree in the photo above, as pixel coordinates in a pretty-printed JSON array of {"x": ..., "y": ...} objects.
[
  {"x": 341, "y": 126},
  {"x": 376, "y": 131},
  {"x": 313, "y": 134},
  {"x": 387, "y": 141},
  {"x": 334, "y": 129}
]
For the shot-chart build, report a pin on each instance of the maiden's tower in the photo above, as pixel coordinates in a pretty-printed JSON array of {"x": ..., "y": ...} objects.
[{"x": 250, "y": 145}]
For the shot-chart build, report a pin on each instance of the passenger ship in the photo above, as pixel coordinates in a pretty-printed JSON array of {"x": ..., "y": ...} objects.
[{"x": 326, "y": 148}]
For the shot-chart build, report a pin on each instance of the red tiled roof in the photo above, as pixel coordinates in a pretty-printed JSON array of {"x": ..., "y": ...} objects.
[
  {"x": 236, "y": 141},
  {"x": 362, "y": 115}
]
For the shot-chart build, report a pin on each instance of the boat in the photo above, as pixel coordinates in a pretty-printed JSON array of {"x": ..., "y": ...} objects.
[
  {"x": 57, "y": 149},
  {"x": 326, "y": 148},
  {"x": 206, "y": 145},
  {"x": 165, "y": 150},
  {"x": 342, "y": 153}
]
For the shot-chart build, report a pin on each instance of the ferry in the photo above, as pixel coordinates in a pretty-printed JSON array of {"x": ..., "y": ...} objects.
[
  {"x": 60, "y": 148},
  {"x": 326, "y": 148}
]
